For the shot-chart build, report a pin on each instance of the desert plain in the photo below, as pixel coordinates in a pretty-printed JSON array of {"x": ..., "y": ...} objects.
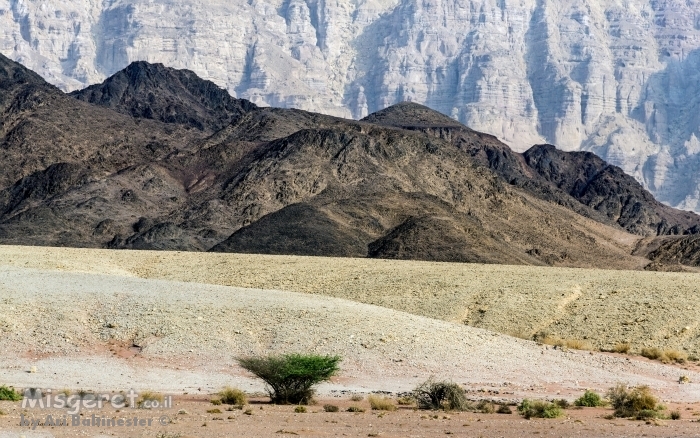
[{"x": 175, "y": 322}]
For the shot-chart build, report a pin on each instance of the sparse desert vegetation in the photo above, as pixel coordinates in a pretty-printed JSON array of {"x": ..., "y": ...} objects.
[{"x": 373, "y": 342}]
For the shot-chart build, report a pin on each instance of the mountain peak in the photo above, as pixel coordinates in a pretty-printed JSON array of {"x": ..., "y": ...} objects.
[
  {"x": 409, "y": 115},
  {"x": 13, "y": 74},
  {"x": 153, "y": 91}
]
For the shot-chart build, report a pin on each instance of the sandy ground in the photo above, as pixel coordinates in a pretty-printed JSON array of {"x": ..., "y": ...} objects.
[
  {"x": 189, "y": 418},
  {"x": 605, "y": 307}
]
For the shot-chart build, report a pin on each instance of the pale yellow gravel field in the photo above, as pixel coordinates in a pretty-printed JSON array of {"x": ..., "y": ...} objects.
[{"x": 602, "y": 306}]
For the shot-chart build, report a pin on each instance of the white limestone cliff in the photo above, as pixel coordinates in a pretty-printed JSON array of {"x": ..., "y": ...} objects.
[{"x": 620, "y": 78}]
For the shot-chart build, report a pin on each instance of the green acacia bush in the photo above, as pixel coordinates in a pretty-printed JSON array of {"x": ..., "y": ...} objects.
[
  {"x": 589, "y": 399},
  {"x": 539, "y": 409},
  {"x": 291, "y": 377},
  {"x": 441, "y": 395}
]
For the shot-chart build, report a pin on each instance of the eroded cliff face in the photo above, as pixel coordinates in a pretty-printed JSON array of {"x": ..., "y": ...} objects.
[{"x": 620, "y": 78}]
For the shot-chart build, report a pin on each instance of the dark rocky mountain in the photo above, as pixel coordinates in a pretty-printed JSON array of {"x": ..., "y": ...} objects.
[
  {"x": 153, "y": 91},
  {"x": 119, "y": 165},
  {"x": 580, "y": 181}
]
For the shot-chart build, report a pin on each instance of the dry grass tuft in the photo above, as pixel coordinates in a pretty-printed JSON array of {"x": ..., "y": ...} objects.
[
  {"x": 381, "y": 403},
  {"x": 149, "y": 396},
  {"x": 574, "y": 344},
  {"x": 676, "y": 356},
  {"x": 622, "y": 348},
  {"x": 577, "y": 344},
  {"x": 233, "y": 396},
  {"x": 665, "y": 356}
]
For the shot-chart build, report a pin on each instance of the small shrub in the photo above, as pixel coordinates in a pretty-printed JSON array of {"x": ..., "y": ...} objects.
[
  {"x": 290, "y": 377},
  {"x": 562, "y": 403},
  {"x": 539, "y": 409},
  {"x": 357, "y": 397},
  {"x": 646, "y": 414},
  {"x": 622, "y": 348},
  {"x": 485, "y": 407},
  {"x": 589, "y": 399},
  {"x": 405, "y": 401},
  {"x": 9, "y": 394},
  {"x": 381, "y": 403},
  {"x": 331, "y": 408},
  {"x": 214, "y": 411},
  {"x": 675, "y": 415},
  {"x": 300, "y": 409},
  {"x": 233, "y": 396},
  {"x": 631, "y": 402},
  {"x": 215, "y": 402},
  {"x": 440, "y": 395},
  {"x": 355, "y": 409},
  {"x": 504, "y": 409},
  {"x": 683, "y": 379},
  {"x": 652, "y": 353}
]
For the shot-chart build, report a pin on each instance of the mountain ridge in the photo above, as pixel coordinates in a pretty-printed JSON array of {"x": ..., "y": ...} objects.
[
  {"x": 617, "y": 79},
  {"x": 288, "y": 181}
]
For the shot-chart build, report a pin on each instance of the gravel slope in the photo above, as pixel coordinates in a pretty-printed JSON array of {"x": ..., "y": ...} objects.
[
  {"x": 658, "y": 309},
  {"x": 188, "y": 335}
]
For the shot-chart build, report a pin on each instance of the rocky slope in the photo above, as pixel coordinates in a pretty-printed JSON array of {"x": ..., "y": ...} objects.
[
  {"x": 144, "y": 167},
  {"x": 616, "y": 78},
  {"x": 185, "y": 99}
]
